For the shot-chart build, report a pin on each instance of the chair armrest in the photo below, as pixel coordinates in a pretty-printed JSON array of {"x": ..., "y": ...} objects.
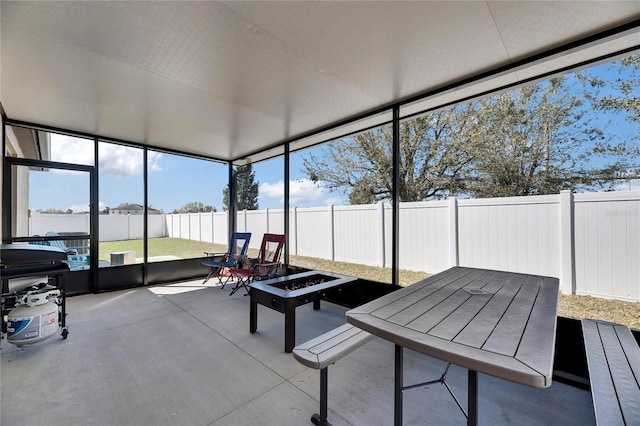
[
  {"x": 216, "y": 257},
  {"x": 250, "y": 262},
  {"x": 213, "y": 253},
  {"x": 263, "y": 269}
]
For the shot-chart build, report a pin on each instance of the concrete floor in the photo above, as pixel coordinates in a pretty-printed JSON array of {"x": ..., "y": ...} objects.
[{"x": 182, "y": 354}]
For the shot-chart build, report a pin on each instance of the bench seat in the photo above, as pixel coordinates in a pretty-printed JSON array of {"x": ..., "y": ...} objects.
[
  {"x": 329, "y": 347},
  {"x": 613, "y": 360},
  {"x": 325, "y": 350}
]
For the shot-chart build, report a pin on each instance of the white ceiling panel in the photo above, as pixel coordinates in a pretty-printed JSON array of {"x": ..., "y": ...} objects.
[
  {"x": 227, "y": 79},
  {"x": 403, "y": 45},
  {"x": 529, "y": 27}
]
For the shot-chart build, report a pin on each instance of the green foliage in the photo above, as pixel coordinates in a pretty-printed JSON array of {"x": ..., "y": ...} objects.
[
  {"x": 53, "y": 211},
  {"x": 247, "y": 192},
  {"x": 194, "y": 207},
  {"x": 533, "y": 140}
]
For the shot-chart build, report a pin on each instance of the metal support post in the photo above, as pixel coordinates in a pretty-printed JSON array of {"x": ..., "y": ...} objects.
[
  {"x": 472, "y": 415},
  {"x": 397, "y": 400},
  {"x": 321, "y": 419}
]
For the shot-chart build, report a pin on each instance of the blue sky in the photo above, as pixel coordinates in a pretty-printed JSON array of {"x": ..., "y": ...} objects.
[{"x": 175, "y": 181}]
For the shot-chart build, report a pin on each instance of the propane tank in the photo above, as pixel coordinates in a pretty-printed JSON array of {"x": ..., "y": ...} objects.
[{"x": 33, "y": 321}]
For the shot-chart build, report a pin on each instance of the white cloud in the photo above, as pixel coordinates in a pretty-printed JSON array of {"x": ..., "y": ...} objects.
[
  {"x": 302, "y": 193},
  {"x": 115, "y": 160},
  {"x": 69, "y": 149},
  {"x": 123, "y": 161},
  {"x": 79, "y": 208}
]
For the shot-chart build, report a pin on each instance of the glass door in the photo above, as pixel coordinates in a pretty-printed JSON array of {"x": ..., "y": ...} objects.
[
  {"x": 47, "y": 201},
  {"x": 57, "y": 208}
]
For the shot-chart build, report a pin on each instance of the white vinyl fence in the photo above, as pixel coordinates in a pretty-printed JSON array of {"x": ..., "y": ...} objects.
[
  {"x": 590, "y": 241},
  {"x": 111, "y": 227}
]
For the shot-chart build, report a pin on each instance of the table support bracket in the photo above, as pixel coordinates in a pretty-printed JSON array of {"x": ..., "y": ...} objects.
[{"x": 442, "y": 380}]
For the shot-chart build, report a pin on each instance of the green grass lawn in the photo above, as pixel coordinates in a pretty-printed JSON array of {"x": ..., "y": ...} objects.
[
  {"x": 627, "y": 313},
  {"x": 159, "y": 247}
]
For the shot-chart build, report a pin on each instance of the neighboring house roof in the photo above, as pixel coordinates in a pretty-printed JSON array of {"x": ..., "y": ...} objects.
[
  {"x": 129, "y": 207},
  {"x": 134, "y": 207}
]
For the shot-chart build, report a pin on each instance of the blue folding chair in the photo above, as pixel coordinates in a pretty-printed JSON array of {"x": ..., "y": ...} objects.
[
  {"x": 75, "y": 260},
  {"x": 220, "y": 262},
  {"x": 61, "y": 244}
]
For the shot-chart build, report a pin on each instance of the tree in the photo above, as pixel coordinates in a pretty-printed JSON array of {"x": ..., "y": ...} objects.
[
  {"x": 194, "y": 207},
  {"x": 621, "y": 97},
  {"x": 533, "y": 140},
  {"x": 246, "y": 190},
  {"x": 435, "y": 155},
  {"x": 53, "y": 211},
  {"x": 537, "y": 139}
]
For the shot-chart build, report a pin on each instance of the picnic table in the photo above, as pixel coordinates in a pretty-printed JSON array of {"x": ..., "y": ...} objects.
[{"x": 493, "y": 322}]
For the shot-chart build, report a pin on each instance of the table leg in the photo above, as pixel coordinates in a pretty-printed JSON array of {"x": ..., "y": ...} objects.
[
  {"x": 397, "y": 400},
  {"x": 321, "y": 419},
  {"x": 289, "y": 327},
  {"x": 472, "y": 395},
  {"x": 316, "y": 304},
  {"x": 253, "y": 315}
]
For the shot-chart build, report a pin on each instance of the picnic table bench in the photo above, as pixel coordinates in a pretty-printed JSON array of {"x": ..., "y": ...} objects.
[
  {"x": 324, "y": 350},
  {"x": 613, "y": 361}
]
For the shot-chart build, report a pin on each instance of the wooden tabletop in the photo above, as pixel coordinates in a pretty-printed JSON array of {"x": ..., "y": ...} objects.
[{"x": 493, "y": 322}]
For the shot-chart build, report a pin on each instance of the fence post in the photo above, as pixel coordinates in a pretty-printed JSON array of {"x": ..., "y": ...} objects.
[
  {"x": 213, "y": 228},
  {"x": 454, "y": 239},
  {"x": 567, "y": 243},
  {"x": 294, "y": 238},
  {"x": 381, "y": 263},
  {"x": 332, "y": 236},
  {"x": 266, "y": 218}
]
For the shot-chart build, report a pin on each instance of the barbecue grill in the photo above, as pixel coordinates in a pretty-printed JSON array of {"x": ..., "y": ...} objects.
[{"x": 33, "y": 292}]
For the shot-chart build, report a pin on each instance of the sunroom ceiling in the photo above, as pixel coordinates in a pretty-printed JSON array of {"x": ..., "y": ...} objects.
[{"x": 229, "y": 79}]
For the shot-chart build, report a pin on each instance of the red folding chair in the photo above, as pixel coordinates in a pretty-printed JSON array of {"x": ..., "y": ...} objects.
[{"x": 264, "y": 267}]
